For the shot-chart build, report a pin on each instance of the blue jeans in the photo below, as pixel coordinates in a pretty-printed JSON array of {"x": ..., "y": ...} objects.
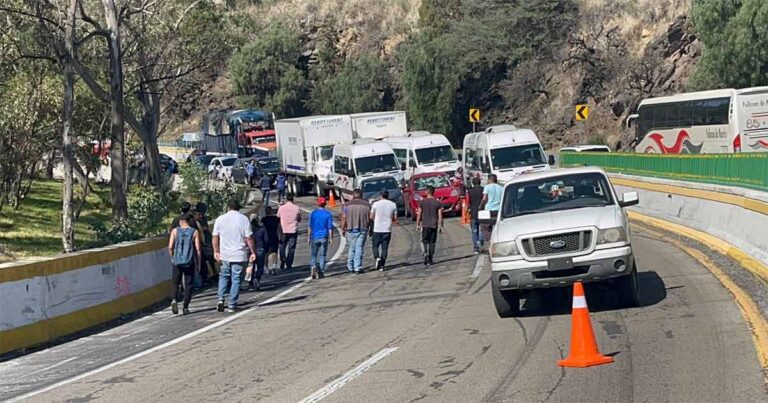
[
  {"x": 356, "y": 242},
  {"x": 258, "y": 265},
  {"x": 318, "y": 249},
  {"x": 288, "y": 250},
  {"x": 265, "y": 196},
  {"x": 231, "y": 271},
  {"x": 477, "y": 235},
  {"x": 280, "y": 194}
]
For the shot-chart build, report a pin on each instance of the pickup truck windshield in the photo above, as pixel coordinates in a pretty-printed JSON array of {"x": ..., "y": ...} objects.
[
  {"x": 433, "y": 155},
  {"x": 565, "y": 192},
  {"x": 517, "y": 156},
  {"x": 376, "y": 164}
]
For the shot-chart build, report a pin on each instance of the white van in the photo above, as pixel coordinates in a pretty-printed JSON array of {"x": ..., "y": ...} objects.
[
  {"x": 502, "y": 150},
  {"x": 305, "y": 148},
  {"x": 379, "y": 125},
  {"x": 362, "y": 158},
  {"x": 424, "y": 152}
]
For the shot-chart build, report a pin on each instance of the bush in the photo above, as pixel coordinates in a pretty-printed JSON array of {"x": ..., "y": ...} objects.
[
  {"x": 194, "y": 181},
  {"x": 147, "y": 217}
]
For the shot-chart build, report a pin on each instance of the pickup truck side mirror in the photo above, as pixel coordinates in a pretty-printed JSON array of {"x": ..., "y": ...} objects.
[
  {"x": 551, "y": 159},
  {"x": 629, "y": 199}
]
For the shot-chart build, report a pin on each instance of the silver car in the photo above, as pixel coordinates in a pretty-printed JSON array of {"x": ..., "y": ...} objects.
[{"x": 558, "y": 227}]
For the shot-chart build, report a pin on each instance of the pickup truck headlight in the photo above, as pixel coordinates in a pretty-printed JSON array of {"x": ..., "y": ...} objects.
[
  {"x": 504, "y": 249},
  {"x": 611, "y": 235}
]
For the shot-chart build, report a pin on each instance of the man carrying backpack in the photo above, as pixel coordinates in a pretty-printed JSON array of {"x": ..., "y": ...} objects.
[{"x": 184, "y": 247}]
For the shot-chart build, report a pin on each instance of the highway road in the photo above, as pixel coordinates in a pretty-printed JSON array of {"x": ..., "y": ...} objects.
[{"x": 414, "y": 334}]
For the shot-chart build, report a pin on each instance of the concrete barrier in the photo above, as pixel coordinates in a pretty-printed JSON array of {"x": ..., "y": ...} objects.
[
  {"x": 45, "y": 299},
  {"x": 735, "y": 216}
]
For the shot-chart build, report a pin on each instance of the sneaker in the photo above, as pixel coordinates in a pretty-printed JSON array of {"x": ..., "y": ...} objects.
[
  {"x": 185, "y": 311},
  {"x": 175, "y": 307},
  {"x": 426, "y": 260},
  {"x": 220, "y": 306},
  {"x": 231, "y": 310},
  {"x": 377, "y": 266},
  {"x": 314, "y": 272},
  {"x": 256, "y": 285}
]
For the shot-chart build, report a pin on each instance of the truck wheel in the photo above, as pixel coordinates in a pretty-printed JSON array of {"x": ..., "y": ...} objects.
[
  {"x": 627, "y": 289},
  {"x": 507, "y": 302}
]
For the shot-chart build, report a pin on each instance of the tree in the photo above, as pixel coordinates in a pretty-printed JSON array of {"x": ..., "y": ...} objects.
[
  {"x": 363, "y": 84},
  {"x": 265, "y": 73},
  {"x": 733, "y": 33}
]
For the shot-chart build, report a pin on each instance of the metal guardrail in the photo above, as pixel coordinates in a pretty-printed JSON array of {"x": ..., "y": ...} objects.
[{"x": 748, "y": 170}]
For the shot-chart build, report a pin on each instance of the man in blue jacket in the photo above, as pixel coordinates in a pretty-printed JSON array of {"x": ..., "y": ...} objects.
[{"x": 320, "y": 237}]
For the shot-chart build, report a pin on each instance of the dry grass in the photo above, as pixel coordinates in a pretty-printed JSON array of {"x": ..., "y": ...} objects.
[{"x": 34, "y": 230}]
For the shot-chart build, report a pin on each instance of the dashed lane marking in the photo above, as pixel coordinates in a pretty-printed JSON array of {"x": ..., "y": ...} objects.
[
  {"x": 478, "y": 267},
  {"x": 337, "y": 384}
]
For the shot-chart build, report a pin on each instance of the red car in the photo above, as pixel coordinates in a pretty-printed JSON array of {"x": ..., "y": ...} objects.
[{"x": 445, "y": 192}]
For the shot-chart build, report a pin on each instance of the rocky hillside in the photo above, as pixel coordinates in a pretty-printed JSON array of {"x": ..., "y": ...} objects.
[{"x": 617, "y": 53}]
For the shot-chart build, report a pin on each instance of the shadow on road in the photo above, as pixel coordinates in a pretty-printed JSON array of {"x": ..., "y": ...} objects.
[{"x": 601, "y": 297}]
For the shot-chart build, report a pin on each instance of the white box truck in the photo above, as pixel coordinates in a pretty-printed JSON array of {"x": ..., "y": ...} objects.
[
  {"x": 379, "y": 125},
  {"x": 424, "y": 152},
  {"x": 305, "y": 148}
]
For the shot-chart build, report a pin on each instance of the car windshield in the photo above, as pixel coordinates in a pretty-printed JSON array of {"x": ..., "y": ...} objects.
[
  {"x": 269, "y": 165},
  {"x": 440, "y": 181},
  {"x": 376, "y": 164},
  {"x": 517, "y": 156},
  {"x": 557, "y": 193},
  {"x": 377, "y": 185},
  {"x": 325, "y": 153},
  {"x": 228, "y": 162},
  {"x": 434, "y": 155}
]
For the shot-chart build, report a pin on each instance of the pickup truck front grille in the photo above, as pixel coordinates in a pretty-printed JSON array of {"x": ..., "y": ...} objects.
[{"x": 548, "y": 245}]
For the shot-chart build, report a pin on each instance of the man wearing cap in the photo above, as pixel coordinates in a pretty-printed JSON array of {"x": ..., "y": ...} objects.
[
  {"x": 320, "y": 236},
  {"x": 355, "y": 218}
]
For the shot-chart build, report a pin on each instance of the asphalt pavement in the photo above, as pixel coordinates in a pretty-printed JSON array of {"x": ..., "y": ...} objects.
[{"x": 414, "y": 334}]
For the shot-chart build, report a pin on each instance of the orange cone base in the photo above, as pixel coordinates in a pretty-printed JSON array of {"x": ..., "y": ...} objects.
[{"x": 583, "y": 362}]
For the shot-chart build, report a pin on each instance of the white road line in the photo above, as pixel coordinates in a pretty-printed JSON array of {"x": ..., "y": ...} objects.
[
  {"x": 52, "y": 366},
  {"x": 185, "y": 337},
  {"x": 478, "y": 266},
  {"x": 328, "y": 389}
]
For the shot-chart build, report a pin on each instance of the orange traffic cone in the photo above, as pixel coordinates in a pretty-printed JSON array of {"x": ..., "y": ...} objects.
[
  {"x": 332, "y": 201},
  {"x": 465, "y": 211},
  {"x": 584, "y": 351}
]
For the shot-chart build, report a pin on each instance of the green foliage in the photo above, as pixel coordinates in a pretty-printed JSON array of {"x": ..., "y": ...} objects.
[
  {"x": 147, "y": 213},
  {"x": 362, "y": 85},
  {"x": 734, "y": 33},
  {"x": 265, "y": 73},
  {"x": 194, "y": 180},
  {"x": 217, "y": 198}
]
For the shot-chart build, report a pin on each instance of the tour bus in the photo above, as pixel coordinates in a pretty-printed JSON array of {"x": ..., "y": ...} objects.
[
  {"x": 424, "y": 152},
  {"x": 360, "y": 159},
  {"x": 719, "y": 121},
  {"x": 502, "y": 150}
]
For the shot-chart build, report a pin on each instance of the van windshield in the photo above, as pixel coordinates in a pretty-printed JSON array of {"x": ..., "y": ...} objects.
[
  {"x": 434, "y": 155},
  {"x": 517, "y": 156},
  {"x": 556, "y": 193},
  {"x": 376, "y": 164}
]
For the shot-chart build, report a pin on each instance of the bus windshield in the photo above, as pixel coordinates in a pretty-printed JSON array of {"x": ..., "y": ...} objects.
[
  {"x": 376, "y": 164},
  {"x": 433, "y": 155},
  {"x": 517, "y": 156}
]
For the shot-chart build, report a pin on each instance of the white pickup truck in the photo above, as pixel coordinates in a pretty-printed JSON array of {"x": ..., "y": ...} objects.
[{"x": 558, "y": 227}]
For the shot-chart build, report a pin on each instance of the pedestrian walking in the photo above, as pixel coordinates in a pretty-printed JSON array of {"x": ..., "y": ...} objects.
[
  {"x": 261, "y": 243},
  {"x": 232, "y": 243},
  {"x": 429, "y": 220},
  {"x": 290, "y": 216},
  {"x": 184, "y": 248},
  {"x": 250, "y": 171},
  {"x": 208, "y": 270},
  {"x": 272, "y": 226},
  {"x": 492, "y": 202},
  {"x": 383, "y": 214},
  {"x": 281, "y": 180},
  {"x": 320, "y": 237},
  {"x": 475, "y": 195},
  {"x": 355, "y": 218},
  {"x": 265, "y": 184},
  {"x": 185, "y": 210}
]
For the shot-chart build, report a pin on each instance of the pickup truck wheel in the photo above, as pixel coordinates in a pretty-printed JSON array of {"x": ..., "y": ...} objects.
[
  {"x": 507, "y": 302},
  {"x": 627, "y": 289}
]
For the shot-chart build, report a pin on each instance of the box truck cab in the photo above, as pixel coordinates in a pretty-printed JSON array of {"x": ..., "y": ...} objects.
[
  {"x": 379, "y": 125},
  {"x": 502, "y": 150},
  {"x": 424, "y": 152},
  {"x": 305, "y": 147},
  {"x": 361, "y": 159}
]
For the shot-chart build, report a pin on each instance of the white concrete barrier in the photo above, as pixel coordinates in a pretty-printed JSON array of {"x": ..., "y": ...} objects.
[{"x": 49, "y": 298}]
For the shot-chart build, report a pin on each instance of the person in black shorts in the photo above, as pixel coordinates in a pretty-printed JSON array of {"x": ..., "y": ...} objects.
[
  {"x": 429, "y": 220},
  {"x": 272, "y": 224}
]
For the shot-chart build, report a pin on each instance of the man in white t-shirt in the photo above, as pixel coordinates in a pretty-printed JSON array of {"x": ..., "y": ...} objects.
[
  {"x": 232, "y": 243},
  {"x": 383, "y": 214}
]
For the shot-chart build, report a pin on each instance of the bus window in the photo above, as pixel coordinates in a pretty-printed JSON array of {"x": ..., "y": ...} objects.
[
  {"x": 699, "y": 114},
  {"x": 685, "y": 114}
]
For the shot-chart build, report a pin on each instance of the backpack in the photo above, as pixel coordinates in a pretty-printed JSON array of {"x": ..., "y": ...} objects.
[{"x": 183, "y": 247}]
